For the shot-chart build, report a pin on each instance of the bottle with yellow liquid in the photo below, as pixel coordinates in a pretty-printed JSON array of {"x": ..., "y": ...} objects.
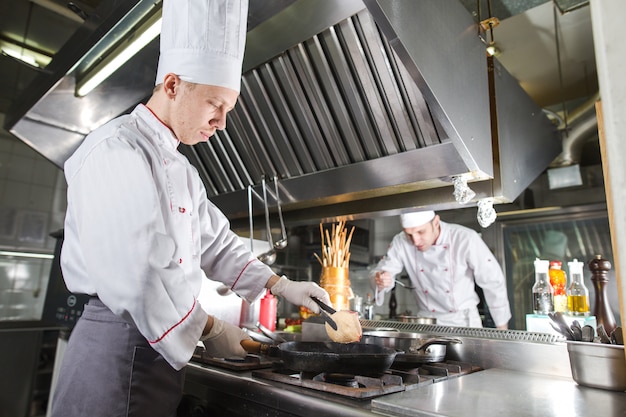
[{"x": 577, "y": 292}]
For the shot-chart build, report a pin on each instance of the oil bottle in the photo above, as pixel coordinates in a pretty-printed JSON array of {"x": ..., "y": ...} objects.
[
  {"x": 577, "y": 292},
  {"x": 558, "y": 280},
  {"x": 543, "y": 293},
  {"x": 368, "y": 308}
]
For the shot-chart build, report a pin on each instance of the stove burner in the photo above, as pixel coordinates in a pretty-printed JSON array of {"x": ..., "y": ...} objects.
[
  {"x": 358, "y": 386},
  {"x": 365, "y": 387},
  {"x": 345, "y": 380}
]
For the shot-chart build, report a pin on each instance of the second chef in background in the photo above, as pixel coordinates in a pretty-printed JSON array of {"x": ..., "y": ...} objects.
[{"x": 444, "y": 262}]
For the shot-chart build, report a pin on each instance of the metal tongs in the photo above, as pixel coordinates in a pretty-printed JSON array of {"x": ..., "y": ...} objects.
[
  {"x": 561, "y": 326},
  {"x": 575, "y": 332},
  {"x": 326, "y": 312}
]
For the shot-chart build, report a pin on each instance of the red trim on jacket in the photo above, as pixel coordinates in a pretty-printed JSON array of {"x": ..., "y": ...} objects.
[
  {"x": 172, "y": 328},
  {"x": 241, "y": 273}
]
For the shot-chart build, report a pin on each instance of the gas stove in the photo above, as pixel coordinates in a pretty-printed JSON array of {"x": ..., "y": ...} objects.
[
  {"x": 400, "y": 377},
  {"x": 394, "y": 380},
  {"x": 420, "y": 392}
]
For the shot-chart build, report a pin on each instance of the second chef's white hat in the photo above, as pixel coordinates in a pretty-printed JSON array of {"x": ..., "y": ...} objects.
[
  {"x": 202, "y": 41},
  {"x": 416, "y": 218}
]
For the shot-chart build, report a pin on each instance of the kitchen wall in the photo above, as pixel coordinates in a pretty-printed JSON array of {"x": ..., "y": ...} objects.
[{"x": 32, "y": 204}]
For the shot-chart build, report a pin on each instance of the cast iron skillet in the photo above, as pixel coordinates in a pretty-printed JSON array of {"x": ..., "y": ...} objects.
[{"x": 331, "y": 357}]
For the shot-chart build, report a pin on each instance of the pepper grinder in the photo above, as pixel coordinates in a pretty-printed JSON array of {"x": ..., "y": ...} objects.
[
  {"x": 393, "y": 304},
  {"x": 600, "y": 268}
]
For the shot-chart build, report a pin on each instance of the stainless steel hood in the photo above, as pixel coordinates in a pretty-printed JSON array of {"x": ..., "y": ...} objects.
[{"x": 359, "y": 107}]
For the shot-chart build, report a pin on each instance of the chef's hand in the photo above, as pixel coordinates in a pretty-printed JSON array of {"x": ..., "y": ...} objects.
[
  {"x": 300, "y": 292},
  {"x": 223, "y": 340},
  {"x": 383, "y": 280}
]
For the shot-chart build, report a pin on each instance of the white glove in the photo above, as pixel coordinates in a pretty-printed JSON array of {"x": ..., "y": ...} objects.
[
  {"x": 300, "y": 292},
  {"x": 224, "y": 340}
]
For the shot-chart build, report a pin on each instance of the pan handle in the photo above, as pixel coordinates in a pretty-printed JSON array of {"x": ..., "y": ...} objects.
[
  {"x": 258, "y": 348},
  {"x": 271, "y": 335},
  {"x": 436, "y": 341},
  {"x": 256, "y": 336}
]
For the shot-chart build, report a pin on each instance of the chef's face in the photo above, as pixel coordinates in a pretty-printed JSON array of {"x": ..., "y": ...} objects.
[
  {"x": 200, "y": 110},
  {"x": 423, "y": 237}
]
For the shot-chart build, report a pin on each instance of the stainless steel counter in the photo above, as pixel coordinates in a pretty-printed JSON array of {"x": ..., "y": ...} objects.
[
  {"x": 492, "y": 392},
  {"x": 498, "y": 392},
  {"x": 523, "y": 375}
]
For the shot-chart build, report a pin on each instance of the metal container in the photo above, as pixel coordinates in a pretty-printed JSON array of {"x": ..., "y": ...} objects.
[
  {"x": 404, "y": 318},
  {"x": 411, "y": 347},
  {"x": 598, "y": 365}
]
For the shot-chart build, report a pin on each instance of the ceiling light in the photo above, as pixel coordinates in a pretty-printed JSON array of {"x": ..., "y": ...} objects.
[
  {"x": 27, "y": 254},
  {"x": 25, "y": 58},
  {"x": 135, "y": 42},
  {"x": 23, "y": 54}
]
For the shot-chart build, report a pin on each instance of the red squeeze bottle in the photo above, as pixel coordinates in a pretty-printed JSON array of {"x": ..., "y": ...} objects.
[{"x": 267, "y": 313}]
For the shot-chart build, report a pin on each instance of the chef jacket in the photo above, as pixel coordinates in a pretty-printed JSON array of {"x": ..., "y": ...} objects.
[
  {"x": 140, "y": 234},
  {"x": 445, "y": 274}
]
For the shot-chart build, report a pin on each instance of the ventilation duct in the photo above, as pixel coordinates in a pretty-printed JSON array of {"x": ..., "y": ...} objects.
[{"x": 359, "y": 108}]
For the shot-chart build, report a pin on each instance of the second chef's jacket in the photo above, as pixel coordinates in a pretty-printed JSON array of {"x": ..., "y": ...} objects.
[{"x": 444, "y": 275}]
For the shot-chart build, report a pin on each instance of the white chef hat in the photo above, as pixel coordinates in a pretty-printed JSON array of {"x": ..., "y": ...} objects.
[
  {"x": 416, "y": 218},
  {"x": 202, "y": 41}
]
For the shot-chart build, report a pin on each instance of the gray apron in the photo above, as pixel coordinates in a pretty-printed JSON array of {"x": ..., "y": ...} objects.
[{"x": 110, "y": 370}]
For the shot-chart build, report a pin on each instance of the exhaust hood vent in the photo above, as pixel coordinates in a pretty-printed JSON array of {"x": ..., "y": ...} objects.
[{"x": 359, "y": 108}]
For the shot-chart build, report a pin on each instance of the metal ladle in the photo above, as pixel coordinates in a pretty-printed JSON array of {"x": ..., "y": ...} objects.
[
  {"x": 282, "y": 243},
  {"x": 250, "y": 218},
  {"x": 269, "y": 257},
  {"x": 402, "y": 284}
]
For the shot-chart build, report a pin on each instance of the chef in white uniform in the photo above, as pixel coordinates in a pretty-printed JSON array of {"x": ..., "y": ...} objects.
[
  {"x": 140, "y": 233},
  {"x": 444, "y": 262}
]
